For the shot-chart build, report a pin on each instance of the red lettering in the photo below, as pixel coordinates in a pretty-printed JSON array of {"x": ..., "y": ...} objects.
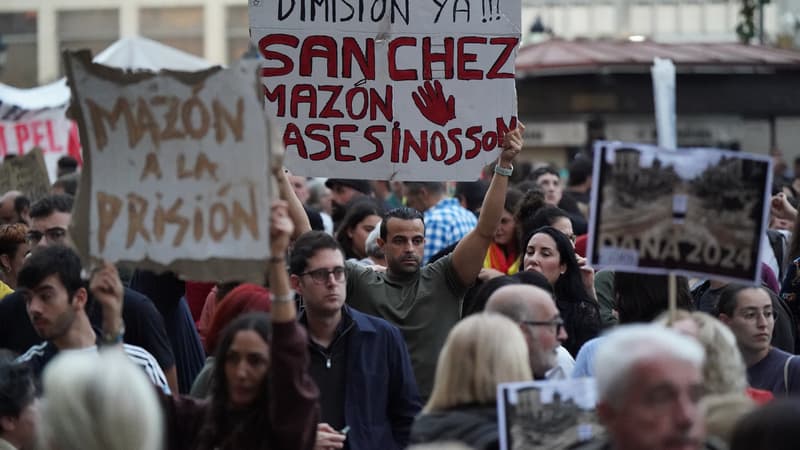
[
  {"x": 366, "y": 60},
  {"x": 351, "y": 100},
  {"x": 279, "y": 95},
  {"x": 474, "y": 151},
  {"x": 340, "y": 143},
  {"x": 51, "y": 139},
  {"x": 22, "y": 133},
  {"x": 510, "y": 44},
  {"x": 453, "y": 135},
  {"x": 438, "y": 151},
  {"x": 502, "y": 128},
  {"x": 384, "y": 104},
  {"x": 292, "y": 136},
  {"x": 490, "y": 141},
  {"x": 400, "y": 74},
  {"x": 464, "y": 58},
  {"x": 3, "y": 143},
  {"x": 420, "y": 148},
  {"x": 321, "y": 138},
  {"x": 369, "y": 134},
  {"x": 303, "y": 93},
  {"x": 38, "y": 136},
  {"x": 287, "y": 65},
  {"x": 396, "y": 143},
  {"x": 327, "y": 52},
  {"x": 429, "y": 58},
  {"x": 330, "y": 110}
]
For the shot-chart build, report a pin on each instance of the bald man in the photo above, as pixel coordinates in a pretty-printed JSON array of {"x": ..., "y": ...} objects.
[
  {"x": 538, "y": 317},
  {"x": 13, "y": 211}
]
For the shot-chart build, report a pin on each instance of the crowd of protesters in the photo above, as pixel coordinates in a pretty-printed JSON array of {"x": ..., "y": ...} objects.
[{"x": 390, "y": 313}]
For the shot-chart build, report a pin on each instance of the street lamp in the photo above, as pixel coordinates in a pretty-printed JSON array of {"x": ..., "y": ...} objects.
[{"x": 538, "y": 32}]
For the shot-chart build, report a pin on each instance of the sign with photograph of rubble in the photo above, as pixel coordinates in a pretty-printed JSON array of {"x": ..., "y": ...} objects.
[
  {"x": 547, "y": 415},
  {"x": 697, "y": 212}
]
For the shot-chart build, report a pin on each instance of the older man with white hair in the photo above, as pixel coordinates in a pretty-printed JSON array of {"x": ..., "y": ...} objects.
[{"x": 649, "y": 385}]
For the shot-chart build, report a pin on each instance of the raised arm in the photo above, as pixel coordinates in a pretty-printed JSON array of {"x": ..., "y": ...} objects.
[
  {"x": 294, "y": 409},
  {"x": 281, "y": 228},
  {"x": 469, "y": 253},
  {"x": 296, "y": 211}
]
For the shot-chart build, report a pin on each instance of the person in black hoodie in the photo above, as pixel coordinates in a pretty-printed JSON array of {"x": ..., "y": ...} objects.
[{"x": 481, "y": 352}]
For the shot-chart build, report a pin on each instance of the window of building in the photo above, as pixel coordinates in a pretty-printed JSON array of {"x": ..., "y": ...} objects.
[
  {"x": 93, "y": 29},
  {"x": 237, "y": 32},
  {"x": 179, "y": 27},
  {"x": 19, "y": 36}
]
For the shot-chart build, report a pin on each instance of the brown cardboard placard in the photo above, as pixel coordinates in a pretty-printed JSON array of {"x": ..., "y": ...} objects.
[
  {"x": 176, "y": 169},
  {"x": 27, "y": 174}
]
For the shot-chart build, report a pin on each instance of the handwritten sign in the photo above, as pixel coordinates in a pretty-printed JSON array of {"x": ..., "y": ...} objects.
[
  {"x": 389, "y": 89},
  {"x": 698, "y": 212},
  {"x": 176, "y": 165},
  {"x": 26, "y": 174}
]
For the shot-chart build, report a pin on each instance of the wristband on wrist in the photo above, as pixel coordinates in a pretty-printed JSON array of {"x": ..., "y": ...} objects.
[
  {"x": 285, "y": 298},
  {"x": 504, "y": 171},
  {"x": 115, "y": 338},
  {"x": 276, "y": 259}
]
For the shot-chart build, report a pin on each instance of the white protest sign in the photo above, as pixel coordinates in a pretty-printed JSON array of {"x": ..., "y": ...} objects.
[
  {"x": 22, "y": 130},
  {"x": 177, "y": 166},
  {"x": 389, "y": 89}
]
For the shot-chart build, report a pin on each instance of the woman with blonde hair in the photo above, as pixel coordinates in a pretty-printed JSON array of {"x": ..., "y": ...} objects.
[
  {"x": 99, "y": 402},
  {"x": 481, "y": 352},
  {"x": 724, "y": 371},
  {"x": 728, "y": 397}
]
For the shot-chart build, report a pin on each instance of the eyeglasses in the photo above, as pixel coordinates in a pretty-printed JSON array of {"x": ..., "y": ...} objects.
[
  {"x": 321, "y": 275},
  {"x": 558, "y": 323},
  {"x": 55, "y": 235}
]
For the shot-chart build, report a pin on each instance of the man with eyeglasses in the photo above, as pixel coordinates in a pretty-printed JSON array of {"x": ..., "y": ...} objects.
[
  {"x": 538, "y": 317},
  {"x": 748, "y": 312},
  {"x": 368, "y": 395},
  {"x": 50, "y": 220}
]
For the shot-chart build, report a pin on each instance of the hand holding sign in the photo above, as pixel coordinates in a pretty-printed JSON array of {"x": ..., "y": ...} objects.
[
  {"x": 281, "y": 228},
  {"x": 431, "y": 103},
  {"x": 781, "y": 208},
  {"x": 107, "y": 288},
  {"x": 512, "y": 144}
]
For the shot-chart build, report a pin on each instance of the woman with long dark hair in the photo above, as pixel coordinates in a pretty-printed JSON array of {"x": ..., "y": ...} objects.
[
  {"x": 549, "y": 252},
  {"x": 502, "y": 257},
  {"x": 262, "y": 395},
  {"x": 362, "y": 216}
]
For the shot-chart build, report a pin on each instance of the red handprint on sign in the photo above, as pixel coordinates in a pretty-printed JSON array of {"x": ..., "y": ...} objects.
[{"x": 431, "y": 103}]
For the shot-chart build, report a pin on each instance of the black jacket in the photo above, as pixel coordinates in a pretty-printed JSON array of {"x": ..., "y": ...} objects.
[{"x": 474, "y": 425}]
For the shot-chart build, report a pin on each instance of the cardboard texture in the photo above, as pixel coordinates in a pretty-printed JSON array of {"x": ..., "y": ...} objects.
[
  {"x": 694, "y": 212},
  {"x": 26, "y": 174},
  {"x": 389, "y": 89},
  {"x": 176, "y": 170}
]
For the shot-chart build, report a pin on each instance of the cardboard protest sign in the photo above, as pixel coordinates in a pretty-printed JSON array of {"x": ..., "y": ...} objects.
[
  {"x": 547, "y": 415},
  {"x": 176, "y": 169},
  {"x": 698, "y": 212},
  {"x": 26, "y": 174},
  {"x": 389, "y": 89}
]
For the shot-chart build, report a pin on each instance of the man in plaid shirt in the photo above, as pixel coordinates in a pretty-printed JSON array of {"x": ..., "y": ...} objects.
[{"x": 446, "y": 221}]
